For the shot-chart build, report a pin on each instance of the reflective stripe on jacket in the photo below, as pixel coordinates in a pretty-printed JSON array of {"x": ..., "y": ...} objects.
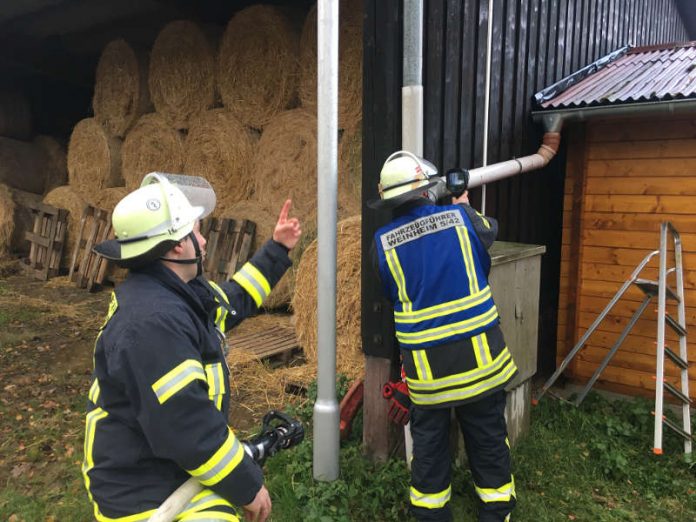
[{"x": 434, "y": 269}]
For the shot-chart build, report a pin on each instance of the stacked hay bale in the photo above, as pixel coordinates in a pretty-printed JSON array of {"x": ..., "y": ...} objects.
[
  {"x": 349, "y": 356},
  {"x": 94, "y": 159},
  {"x": 68, "y": 198},
  {"x": 15, "y": 115},
  {"x": 182, "y": 75},
  {"x": 57, "y": 162},
  {"x": 349, "y": 63},
  {"x": 152, "y": 145},
  {"x": 257, "y": 65},
  {"x": 220, "y": 149},
  {"x": 120, "y": 88}
]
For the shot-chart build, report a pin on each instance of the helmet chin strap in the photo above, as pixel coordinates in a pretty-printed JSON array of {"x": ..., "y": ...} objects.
[{"x": 198, "y": 260}]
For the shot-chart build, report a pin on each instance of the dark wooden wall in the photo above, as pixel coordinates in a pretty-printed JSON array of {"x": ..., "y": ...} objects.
[{"x": 535, "y": 43}]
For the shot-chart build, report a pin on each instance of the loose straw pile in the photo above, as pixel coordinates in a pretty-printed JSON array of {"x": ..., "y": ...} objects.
[
  {"x": 94, "y": 158},
  {"x": 221, "y": 149},
  {"x": 120, "y": 88},
  {"x": 151, "y": 146},
  {"x": 181, "y": 76},
  {"x": 349, "y": 356},
  {"x": 257, "y": 65}
]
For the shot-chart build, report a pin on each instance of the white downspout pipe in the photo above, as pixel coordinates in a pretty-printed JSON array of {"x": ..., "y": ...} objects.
[
  {"x": 326, "y": 412},
  {"x": 412, "y": 110}
]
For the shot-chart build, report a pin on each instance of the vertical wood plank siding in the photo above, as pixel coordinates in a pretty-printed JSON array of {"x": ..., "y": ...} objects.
[{"x": 535, "y": 43}]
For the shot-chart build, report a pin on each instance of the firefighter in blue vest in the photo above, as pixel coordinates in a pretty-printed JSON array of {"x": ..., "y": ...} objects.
[
  {"x": 159, "y": 400},
  {"x": 433, "y": 263}
]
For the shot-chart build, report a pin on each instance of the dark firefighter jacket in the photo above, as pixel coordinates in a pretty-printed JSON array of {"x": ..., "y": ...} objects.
[
  {"x": 434, "y": 264},
  {"x": 158, "y": 405}
]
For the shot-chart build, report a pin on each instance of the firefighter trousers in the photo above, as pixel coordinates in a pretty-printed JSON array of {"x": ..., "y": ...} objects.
[{"x": 482, "y": 423}]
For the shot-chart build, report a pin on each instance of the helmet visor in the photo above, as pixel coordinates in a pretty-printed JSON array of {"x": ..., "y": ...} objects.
[{"x": 197, "y": 190}]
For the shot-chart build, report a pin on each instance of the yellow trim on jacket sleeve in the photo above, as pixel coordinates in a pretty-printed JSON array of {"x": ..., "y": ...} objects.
[
  {"x": 94, "y": 392},
  {"x": 177, "y": 379},
  {"x": 222, "y": 463},
  {"x": 254, "y": 282}
]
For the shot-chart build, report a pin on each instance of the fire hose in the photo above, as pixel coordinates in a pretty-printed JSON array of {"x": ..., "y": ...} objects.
[{"x": 278, "y": 431}]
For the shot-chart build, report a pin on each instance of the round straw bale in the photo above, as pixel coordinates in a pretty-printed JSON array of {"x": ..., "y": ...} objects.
[
  {"x": 349, "y": 356},
  {"x": 349, "y": 63},
  {"x": 57, "y": 162},
  {"x": 7, "y": 212},
  {"x": 106, "y": 199},
  {"x": 15, "y": 115},
  {"x": 94, "y": 158},
  {"x": 69, "y": 199},
  {"x": 151, "y": 146},
  {"x": 350, "y": 172},
  {"x": 257, "y": 64},
  {"x": 120, "y": 88},
  {"x": 182, "y": 75},
  {"x": 286, "y": 165},
  {"x": 23, "y": 165},
  {"x": 221, "y": 149}
]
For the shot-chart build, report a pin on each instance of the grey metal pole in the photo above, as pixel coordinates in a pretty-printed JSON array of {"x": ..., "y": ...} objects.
[{"x": 326, "y": 413}]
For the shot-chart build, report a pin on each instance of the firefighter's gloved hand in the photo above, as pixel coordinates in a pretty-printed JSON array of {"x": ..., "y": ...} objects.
[{"x": 399, "y": 402}]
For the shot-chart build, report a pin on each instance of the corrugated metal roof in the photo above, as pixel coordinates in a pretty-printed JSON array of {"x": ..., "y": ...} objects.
[{"x": 641, "y": 74}]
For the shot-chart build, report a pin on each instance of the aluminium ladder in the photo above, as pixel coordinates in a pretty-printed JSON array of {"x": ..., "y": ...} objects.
[{"x": 663, "y": 292}]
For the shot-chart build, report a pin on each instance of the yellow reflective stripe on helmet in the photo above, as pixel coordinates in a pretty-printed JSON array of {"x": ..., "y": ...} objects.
[
  {"x": 210, "y": 516},
  {"x": 448, "y": 330},
  {"x": 178, "y": 378},
  {"x": 202, "y": 501},
  {"x": 93, "y": 417},
  {"x": 431, "y": 500},
  {"x": 443, "y": 309},
  {"x": 254, "y": 282},
  {"x": 420, "y": 360},
  {"x": 222, "y": 463},
  {"x": 502, "y": 494},
  {"x": 398, "y": 275},
  {"x": 464, "y": 392},
  {"x": 94, "y": 392},
  {"x": 463, "y": 235}
]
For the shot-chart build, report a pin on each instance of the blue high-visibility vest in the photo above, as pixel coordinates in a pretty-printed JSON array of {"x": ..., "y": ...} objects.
[{"x": 434, "y": 269}]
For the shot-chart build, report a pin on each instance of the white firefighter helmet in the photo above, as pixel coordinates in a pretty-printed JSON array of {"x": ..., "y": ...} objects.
[
  {"x": 150, "y": 220},
  {"x": 404, "y": 176}
]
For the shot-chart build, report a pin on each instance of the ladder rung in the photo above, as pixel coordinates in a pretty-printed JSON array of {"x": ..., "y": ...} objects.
[
  {"x": 676, "y": 359},
  {"x": 677, "y": 393},
  {"x": 681, "y": 330},
  {"x": 678, "y": 429},
  {"x": 652, "y": 288}
]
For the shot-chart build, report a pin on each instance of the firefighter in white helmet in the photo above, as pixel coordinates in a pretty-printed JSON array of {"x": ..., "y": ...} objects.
[
  {"x": 159, "y": 400},
  {"x": 433, "y": 264}
]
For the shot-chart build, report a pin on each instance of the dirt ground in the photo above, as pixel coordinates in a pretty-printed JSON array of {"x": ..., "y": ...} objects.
[{"x": 47, "y": 334}]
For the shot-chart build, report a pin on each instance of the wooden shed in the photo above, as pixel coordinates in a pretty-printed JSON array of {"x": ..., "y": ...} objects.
[{"x": 631, "y": 165}]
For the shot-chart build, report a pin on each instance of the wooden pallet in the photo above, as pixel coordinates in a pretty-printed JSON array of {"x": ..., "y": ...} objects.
[
  {"x": 88, "y": 268},
  {"x": 47, "y": 239},
  {"x": 277, "y": 340},
  {"x": 228, "y": 247}
]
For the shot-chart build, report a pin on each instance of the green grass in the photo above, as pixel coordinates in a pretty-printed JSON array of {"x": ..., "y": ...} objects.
[{"x": 589, "y": 464}]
